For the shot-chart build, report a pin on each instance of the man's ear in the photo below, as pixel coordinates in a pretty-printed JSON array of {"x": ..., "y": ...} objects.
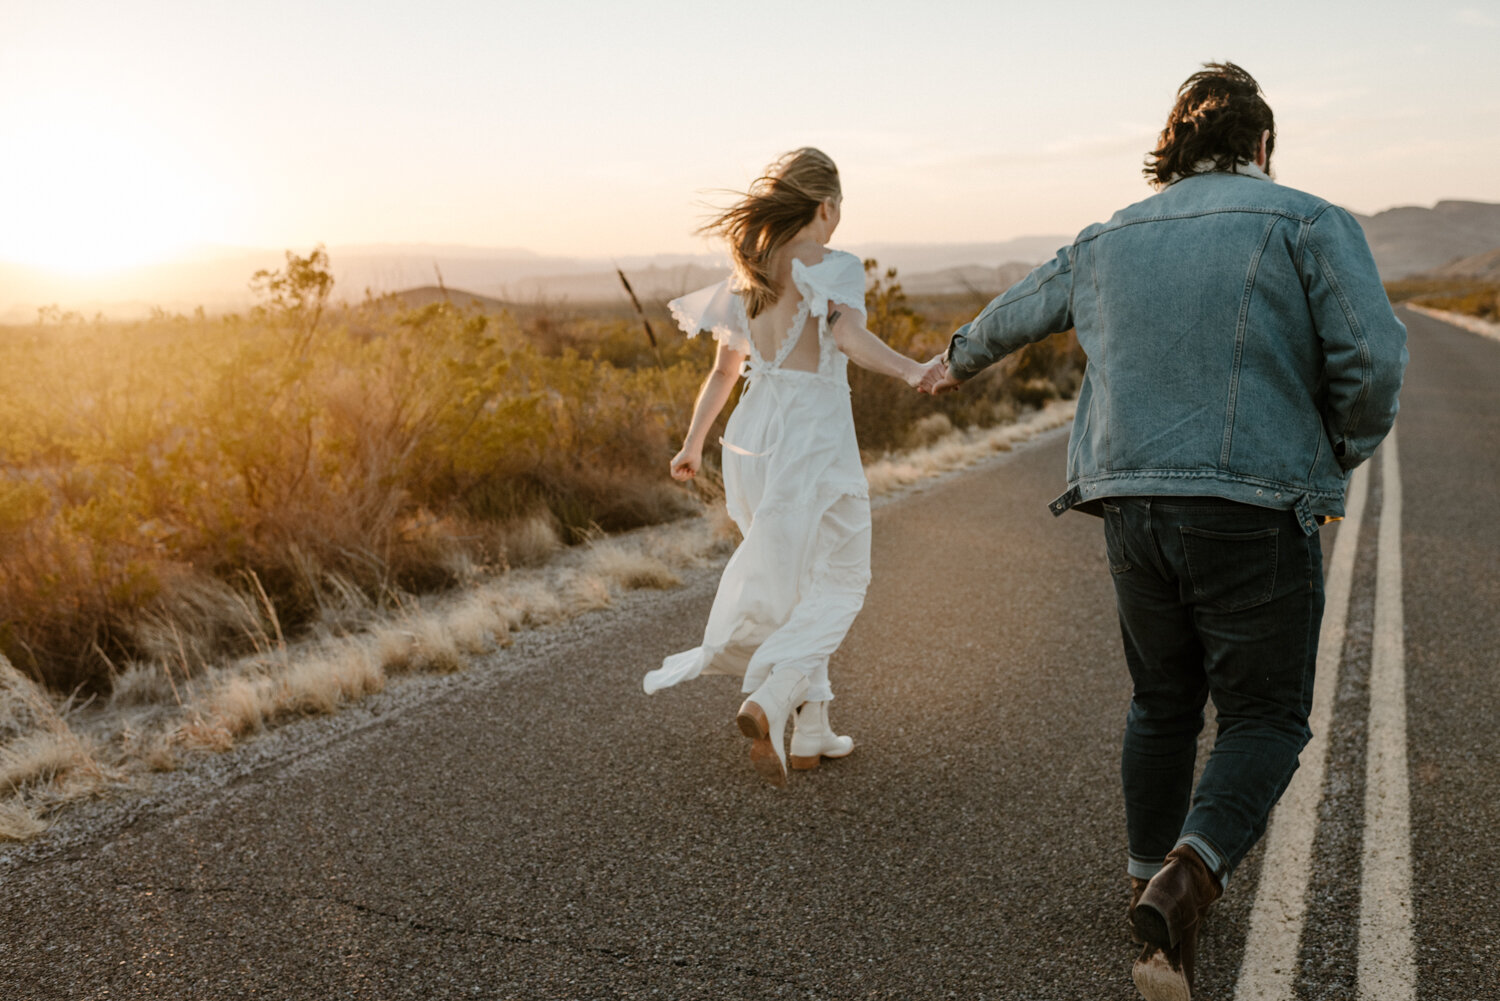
[{"x": 1263, "y": 155}]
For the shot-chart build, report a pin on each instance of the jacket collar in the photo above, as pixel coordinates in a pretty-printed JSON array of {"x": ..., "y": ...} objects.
[{"x": 1208, "y": 167}]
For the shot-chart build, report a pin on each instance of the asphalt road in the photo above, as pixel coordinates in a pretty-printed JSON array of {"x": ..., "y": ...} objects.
[{"x": 539, "y": 828}]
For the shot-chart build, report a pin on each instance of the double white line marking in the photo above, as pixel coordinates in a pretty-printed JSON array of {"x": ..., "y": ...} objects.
[{"x": 1387, "y": 957}]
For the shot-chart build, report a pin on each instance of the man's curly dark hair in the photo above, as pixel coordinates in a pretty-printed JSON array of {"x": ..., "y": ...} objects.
[{"x": 1219, "y": 117}]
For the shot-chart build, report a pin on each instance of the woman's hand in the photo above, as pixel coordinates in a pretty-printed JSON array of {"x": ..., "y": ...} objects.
[
  {"x": 915, "y": 372},
  {"x": 937, "y": 379},
  {"x": 686, "y": 463}
]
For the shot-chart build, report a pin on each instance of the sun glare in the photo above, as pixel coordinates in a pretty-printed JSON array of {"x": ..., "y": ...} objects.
[{"x": 86, "y": 195}]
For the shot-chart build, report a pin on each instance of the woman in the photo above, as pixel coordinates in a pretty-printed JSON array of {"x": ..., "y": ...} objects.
[{"x": 790, "y": 317}]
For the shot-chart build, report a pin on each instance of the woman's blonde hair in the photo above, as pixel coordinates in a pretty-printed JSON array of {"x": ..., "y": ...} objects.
[{"x": 780, "y": 202}]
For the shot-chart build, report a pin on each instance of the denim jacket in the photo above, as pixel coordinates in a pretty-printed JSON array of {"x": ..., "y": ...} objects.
[{"x": 1239, "y": 341}]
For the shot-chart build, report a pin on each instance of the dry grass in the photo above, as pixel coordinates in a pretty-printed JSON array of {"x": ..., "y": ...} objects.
[
  {"x": 581, "y": 591},
  {"x": 477, "y": 626},
  {"x": 204, "y": 735},
  {"x": 319, "y": 684},
  {"x": 631, "y": 568},
  {"x": 158, "y": 754},
  {"x": 143, "y": 685},
  {"x": 959, "y": 449},
  {"x": 527, "y": 542},
  {"x": 417, "y": 643},
  {"x": 18, "y": 822},
  {"x": 535, "y": 602},
  {"x": 42, "y": 758},
  {"x": 198, "y": 618}
]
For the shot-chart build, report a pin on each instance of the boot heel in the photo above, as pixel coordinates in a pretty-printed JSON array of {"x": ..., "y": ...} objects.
[
  {"x": 1153, "y": 926},
  {"x": 803, "y": 764},
  {"x": 762, "y": 718},
  {"x": 752, "y": 721}
]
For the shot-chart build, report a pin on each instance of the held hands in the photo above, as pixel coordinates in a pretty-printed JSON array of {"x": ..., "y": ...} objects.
[{"x": 936, "y": 379}]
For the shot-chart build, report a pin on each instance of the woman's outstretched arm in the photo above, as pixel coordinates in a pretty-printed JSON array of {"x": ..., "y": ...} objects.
[
  {"x": 711, "y": 399},
  {"x": 868, "y": 351}
]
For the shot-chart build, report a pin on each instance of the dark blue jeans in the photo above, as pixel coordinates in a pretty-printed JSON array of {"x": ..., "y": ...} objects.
[{"x": 1217, "y": 599}]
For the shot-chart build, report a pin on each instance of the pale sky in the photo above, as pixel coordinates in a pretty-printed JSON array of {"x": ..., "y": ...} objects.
[{"x": 130, "y": 129}]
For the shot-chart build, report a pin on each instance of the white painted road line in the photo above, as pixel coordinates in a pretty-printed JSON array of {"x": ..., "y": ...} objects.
[
  {"x": 1387, "y": 954},
  {"x": 1270, "y": 961}
]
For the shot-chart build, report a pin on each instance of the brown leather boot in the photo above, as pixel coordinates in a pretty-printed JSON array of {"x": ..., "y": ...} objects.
[
  {"x": 1137, "y": 887},
  {"x": 1167, "y": 917}
]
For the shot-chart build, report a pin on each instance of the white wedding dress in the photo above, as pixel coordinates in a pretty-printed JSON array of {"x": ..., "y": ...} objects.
[{"x": 794, "y": 485}]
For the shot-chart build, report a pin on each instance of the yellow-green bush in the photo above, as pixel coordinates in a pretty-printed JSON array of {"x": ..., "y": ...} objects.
[
  {"x": 1467, "y": 296},
  {"x": 187, "y": 487}
]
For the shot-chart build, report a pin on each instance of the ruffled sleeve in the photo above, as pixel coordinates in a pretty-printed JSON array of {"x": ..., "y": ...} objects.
[
  {"x": 715, "y": 309},
  {"x": 838, "y": 277}
]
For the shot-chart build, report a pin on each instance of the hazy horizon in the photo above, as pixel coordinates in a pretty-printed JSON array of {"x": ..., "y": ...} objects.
[
  {"x": 599, "y": 130},
  {"x": 217, "y": 277}
]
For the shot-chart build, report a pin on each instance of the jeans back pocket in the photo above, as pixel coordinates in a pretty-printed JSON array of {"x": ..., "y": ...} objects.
[
  {"x": 1231, "y": 570},
  {"x": 1114, "y": 539}
]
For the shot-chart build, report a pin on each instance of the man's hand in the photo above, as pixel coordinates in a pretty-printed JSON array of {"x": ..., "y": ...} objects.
[{"x": 937, "y": 379}]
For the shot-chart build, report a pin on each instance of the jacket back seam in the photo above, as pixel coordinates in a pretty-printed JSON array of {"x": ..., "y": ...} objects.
[
  {"x": 1357, "y": 406},
  {"x": 1240, "y": 325}
]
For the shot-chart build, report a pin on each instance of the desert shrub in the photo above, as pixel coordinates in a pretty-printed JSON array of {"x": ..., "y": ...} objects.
[
  {"x": 184, "y": 488},
  {"x": 1470, "y": 297}
]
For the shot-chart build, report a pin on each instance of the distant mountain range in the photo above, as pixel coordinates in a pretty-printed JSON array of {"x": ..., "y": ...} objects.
[
  {"x": 1406, "y": 241},
  {"x": 1409, "y": 241},
  {"x": 1484, "y": 267},
  {"x": 218, "y": 278}
]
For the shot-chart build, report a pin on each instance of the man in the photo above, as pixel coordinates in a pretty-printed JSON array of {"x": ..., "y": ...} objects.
[{"x": 1243, "y": 359}]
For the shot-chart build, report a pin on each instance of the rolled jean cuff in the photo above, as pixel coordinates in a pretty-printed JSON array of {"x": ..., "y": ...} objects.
[
  {"x": 1211, "y": 856},
  {"x": 1144, "y": 868}
]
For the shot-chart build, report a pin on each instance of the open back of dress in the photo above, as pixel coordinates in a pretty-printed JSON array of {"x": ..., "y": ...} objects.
[{"x": 788, "y": 342}]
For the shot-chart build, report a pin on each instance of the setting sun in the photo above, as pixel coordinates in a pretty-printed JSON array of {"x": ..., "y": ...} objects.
[{"x": 90, "y": 193}]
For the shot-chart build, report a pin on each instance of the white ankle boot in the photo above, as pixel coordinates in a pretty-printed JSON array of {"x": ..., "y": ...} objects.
[
  {"x": 813, "y": 739},
  {"x": 762, "y": 718}
]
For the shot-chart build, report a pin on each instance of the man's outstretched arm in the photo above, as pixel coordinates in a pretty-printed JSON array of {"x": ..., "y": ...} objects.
[{"x": 1038, "y": 305}]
